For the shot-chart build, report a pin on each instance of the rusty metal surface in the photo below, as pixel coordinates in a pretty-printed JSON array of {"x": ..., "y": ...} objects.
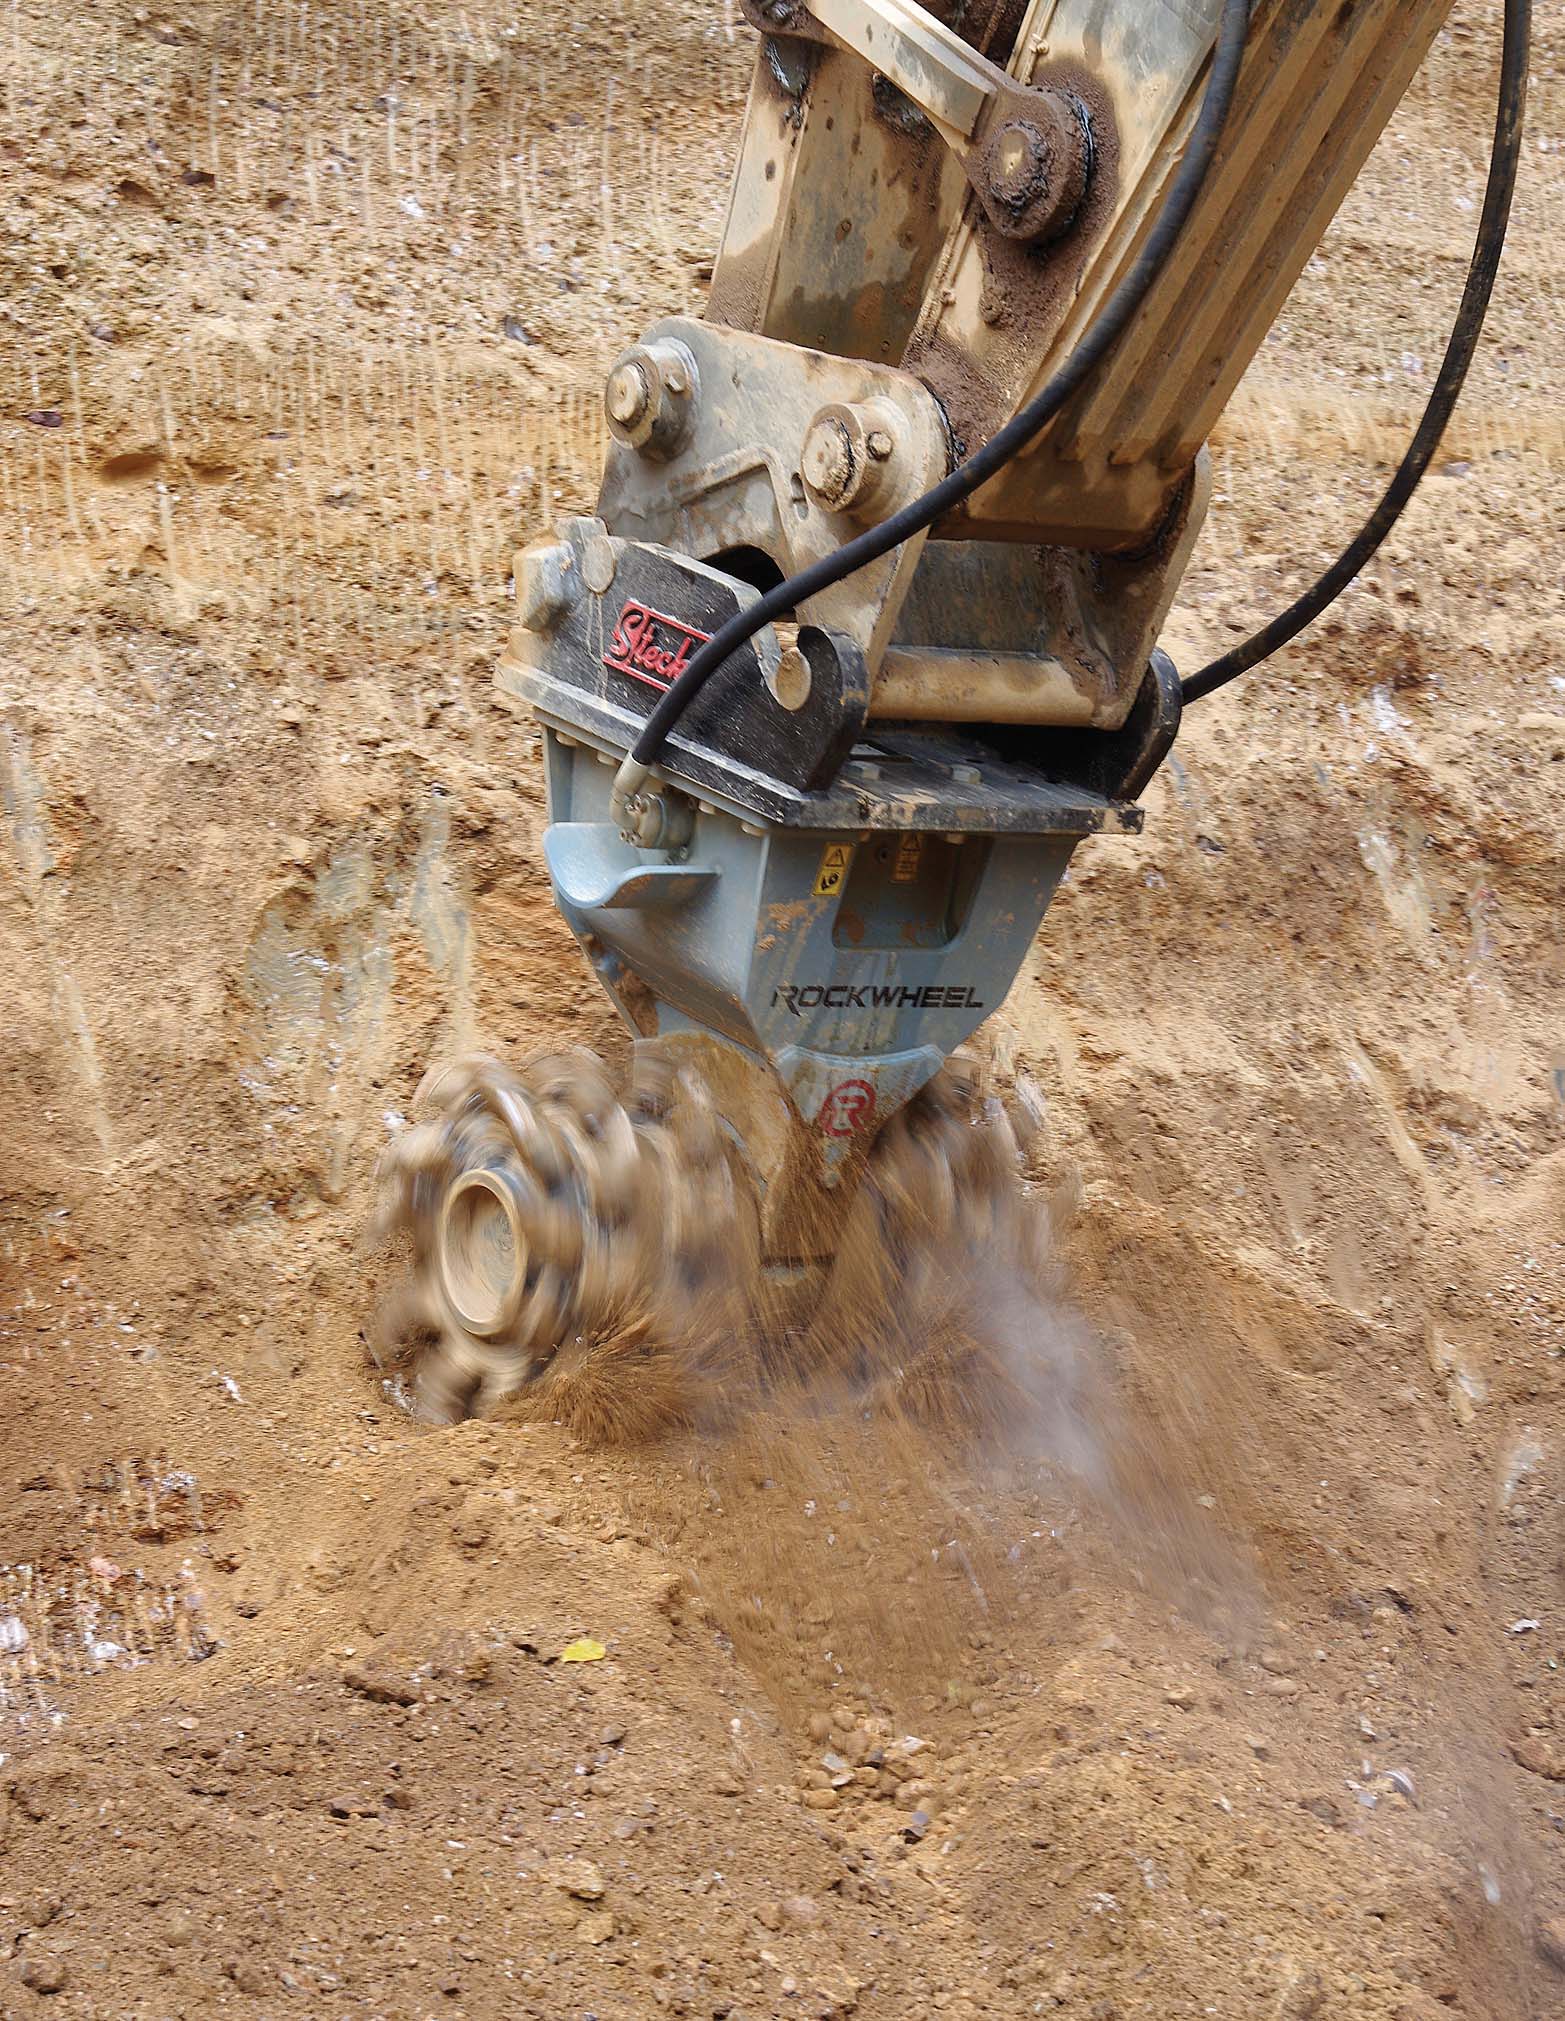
[
  {"x": 842, "y": 216},
  {"x": 804, "y": 257},
  {"x": 1318, "y": 84}
]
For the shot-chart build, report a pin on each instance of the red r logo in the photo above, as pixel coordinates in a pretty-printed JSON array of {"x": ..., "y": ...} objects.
[{"x": 846, "y": 1109}]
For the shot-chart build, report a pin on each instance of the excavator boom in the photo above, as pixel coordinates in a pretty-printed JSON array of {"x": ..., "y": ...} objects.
[{"x": 832, "y": 871}]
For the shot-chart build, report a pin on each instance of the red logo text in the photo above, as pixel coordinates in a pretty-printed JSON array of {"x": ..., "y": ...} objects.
[
  {"x": 846, "y": 1109},
  {"x": 651, "y": 647}
]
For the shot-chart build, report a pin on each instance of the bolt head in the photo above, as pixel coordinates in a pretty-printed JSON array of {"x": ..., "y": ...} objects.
[
  {"x": 879, "y": 444},
  {"x": 791, "y": 682},
  {"x": 827, "y": 462},
  {"x": 1020, "y": 161},
  {"x": 1035, "y": 170},
  {"x": 627, "y": 395}
]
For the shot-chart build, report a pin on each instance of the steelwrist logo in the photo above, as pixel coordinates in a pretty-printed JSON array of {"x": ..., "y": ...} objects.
[
  {"x": 650, "y": 646},
  {"x": 876, "y": 996}
]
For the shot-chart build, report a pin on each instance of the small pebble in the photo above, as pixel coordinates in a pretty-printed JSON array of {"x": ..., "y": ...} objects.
[
  {"x": 820, "y": 1799},
  {"x": 44, "y": 1972},
  {"x": 581, "y": 1878}
]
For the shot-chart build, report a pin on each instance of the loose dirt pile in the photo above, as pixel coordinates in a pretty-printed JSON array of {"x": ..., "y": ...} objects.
[{"x": 1231, "y": 1686}]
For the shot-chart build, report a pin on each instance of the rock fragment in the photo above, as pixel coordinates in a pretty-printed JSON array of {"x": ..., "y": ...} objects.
[
  {"x": 44, "y": 1972},
  {"x": 582, "y": 1879}
]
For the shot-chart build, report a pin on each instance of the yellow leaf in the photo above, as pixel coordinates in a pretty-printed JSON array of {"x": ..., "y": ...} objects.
[{"x": 584, "y": 1651}]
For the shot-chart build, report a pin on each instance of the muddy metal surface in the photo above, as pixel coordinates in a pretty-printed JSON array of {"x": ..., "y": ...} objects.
[{"x": 1230, "y": 1687}]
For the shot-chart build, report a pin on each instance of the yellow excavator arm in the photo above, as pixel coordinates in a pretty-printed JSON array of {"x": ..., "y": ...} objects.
[{"x": 862, "y": 641}]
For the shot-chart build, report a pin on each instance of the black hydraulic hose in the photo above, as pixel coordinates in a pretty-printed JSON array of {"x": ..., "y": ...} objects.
[
  {"x": 1503, "y": 159},
  {"x": 965, "y": 479}
]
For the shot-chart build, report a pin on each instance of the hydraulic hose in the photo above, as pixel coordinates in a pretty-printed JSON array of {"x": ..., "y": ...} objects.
[
  {"x": 1001, "y": 447},
  {"x": 1503, "y": 158}
]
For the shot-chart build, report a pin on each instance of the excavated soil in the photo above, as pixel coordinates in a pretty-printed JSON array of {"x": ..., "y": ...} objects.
[{"x": 1231, "y": 1685}]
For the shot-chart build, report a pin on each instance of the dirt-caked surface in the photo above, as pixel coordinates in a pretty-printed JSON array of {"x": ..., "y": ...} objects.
[{"x": 1230, "y": 1686}]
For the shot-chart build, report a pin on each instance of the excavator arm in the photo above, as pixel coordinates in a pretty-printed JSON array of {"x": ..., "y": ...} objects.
[{"x": 834, "y": 869}]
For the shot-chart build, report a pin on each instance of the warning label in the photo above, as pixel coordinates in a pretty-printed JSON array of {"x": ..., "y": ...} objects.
[
  {"x": 835, "y": 858},
  {"x": 910, "y": 850}
]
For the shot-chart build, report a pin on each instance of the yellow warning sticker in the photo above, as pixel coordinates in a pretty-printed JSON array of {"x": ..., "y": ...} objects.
[
  {"x": 835, "y": 858},
  {"x": 910, "y": 849}
]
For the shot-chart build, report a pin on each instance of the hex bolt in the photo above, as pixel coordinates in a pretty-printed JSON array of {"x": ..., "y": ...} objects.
[
  {"x": 650, "y": 397},
  {"x": 967, "y": 775}
]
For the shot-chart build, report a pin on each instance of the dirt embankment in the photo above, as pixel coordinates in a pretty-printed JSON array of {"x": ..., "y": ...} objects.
[{"x": 305, "y": 314}]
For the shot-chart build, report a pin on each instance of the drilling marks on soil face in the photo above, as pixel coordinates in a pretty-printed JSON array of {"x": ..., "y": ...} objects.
[
  {"x": 30, "y": 846},
  {"x": 377, "y": 914},
  {"x": 76, "y": 1616}
]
